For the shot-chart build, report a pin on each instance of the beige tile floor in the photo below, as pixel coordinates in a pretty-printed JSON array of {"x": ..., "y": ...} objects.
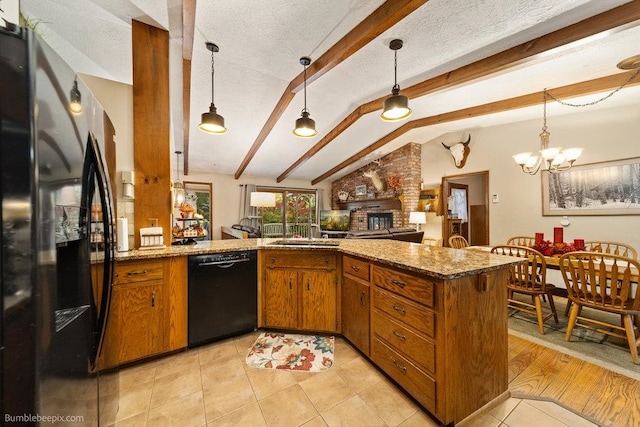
[{"x": 213, "y": 386}]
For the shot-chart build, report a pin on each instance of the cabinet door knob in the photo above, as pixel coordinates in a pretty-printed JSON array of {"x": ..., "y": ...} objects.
[
  {"x": 362, "y": 299},
  {"x": 355, "y": 268},
  {"x": 153, "y": 299},
  {"x": 308, "y": 284}
]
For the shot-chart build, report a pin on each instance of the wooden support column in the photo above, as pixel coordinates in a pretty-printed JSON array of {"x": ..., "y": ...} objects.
[{"x": 151, "y": 143}]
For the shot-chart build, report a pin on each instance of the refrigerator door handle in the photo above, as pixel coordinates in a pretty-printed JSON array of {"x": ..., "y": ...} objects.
[{"x": 98, "y": 172}]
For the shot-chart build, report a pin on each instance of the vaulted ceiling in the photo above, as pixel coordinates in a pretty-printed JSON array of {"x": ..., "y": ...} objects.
[{"x": 464, "y": 65}]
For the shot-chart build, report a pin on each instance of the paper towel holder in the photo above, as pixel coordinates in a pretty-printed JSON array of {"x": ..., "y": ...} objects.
[{"x": 127, "y": 184}]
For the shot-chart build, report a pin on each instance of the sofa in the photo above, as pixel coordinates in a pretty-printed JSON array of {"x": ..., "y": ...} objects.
[
  {"x": 404, "y": 234},
  {"x": 238, "y": 231}
]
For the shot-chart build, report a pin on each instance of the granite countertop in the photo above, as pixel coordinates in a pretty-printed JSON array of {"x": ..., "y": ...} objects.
[{"x": 444, "y": 263}]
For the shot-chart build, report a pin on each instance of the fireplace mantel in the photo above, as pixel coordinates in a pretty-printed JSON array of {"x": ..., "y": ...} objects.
[{"x": 372, "y": 204}]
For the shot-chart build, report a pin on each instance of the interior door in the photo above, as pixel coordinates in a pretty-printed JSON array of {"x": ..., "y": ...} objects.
[{"x": 458, "y": 208}]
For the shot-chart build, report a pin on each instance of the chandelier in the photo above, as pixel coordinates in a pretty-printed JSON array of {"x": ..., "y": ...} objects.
[{"x": 553, "y": 159}]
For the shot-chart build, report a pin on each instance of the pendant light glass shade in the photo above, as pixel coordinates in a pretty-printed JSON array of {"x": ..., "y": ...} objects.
[
  {"x": 305, "y": 125},
  {"x": 395, "y": 107},
  {"x": 178, "y": 187},
  {"x": 212, "y": 122},
  {"x": 75, "y": 99}
]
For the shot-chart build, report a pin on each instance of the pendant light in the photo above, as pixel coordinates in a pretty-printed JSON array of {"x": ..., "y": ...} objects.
[
  {"x": 75, "y": 103},
  {"x": 396, "y": 107},
  {"x": 212, "y": 122},
  {"x": 305, "y": 125},
  {"x": 178, "y": 186}
]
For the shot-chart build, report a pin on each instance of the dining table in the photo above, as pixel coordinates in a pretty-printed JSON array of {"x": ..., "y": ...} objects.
[{"x": 553, "y": 262}]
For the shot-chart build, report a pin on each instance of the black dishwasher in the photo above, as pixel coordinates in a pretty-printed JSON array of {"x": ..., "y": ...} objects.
[{"x": 223, "y": 295}]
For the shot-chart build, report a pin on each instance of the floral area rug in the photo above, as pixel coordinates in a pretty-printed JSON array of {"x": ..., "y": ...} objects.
[{"x": 310, "y": 353}]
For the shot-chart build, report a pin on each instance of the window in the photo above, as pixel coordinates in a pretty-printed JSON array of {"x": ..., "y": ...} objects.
[{"x": 295, "y": 209}]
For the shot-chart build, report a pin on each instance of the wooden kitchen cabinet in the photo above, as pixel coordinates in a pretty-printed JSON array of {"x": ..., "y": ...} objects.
[
  {"x": 147, "y": 314},
  {"x": 440, "y": 339},
  {"x": 355, "y": 302},
  {"x": 298, "y": 290},
  {"x": 281, "y": 298}
]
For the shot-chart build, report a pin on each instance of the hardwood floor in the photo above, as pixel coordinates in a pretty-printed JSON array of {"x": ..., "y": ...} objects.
[{"x": 606, "y": 397}]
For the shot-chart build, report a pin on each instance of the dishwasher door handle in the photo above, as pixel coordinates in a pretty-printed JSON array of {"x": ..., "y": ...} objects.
[{"x": 223, "y": 264}]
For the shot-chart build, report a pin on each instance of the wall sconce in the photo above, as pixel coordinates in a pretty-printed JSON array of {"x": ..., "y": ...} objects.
[
  {"x": 418, "y": 218},
  {"x": 75, "y": 99},
  {"x": 127, "y": 184}
]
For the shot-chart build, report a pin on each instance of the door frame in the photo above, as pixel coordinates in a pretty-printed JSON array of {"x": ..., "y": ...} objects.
[{"x": 446, "y": 180}]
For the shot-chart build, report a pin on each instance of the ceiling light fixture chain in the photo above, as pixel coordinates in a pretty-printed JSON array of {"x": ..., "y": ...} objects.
[
  {"x": 587, "y": 104},
  {"x": 212, "y": 122},
  {"x": 305, "y": 125},
  {"x": 396, "y": 106}
]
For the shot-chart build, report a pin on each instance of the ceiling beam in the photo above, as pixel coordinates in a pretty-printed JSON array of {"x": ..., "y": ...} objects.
[
  {"x": 578, "y": 89},
  {"x": 383, "y": 18},
  {"x": 617, "y": 18},
  {"x": 188, "y": 26}
]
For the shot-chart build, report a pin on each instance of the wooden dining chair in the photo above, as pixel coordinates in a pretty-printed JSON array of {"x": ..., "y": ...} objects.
[
  {"x": 607, "y": 247},
  {"x": 529, "y": 279},
  {"x": 614, "y": 248},
  {"x": 458, "y": 242},
  {"x": 432, "y": 241},
  {"x": 521, "y": 241},
  {"x": 603, "y": 282}
]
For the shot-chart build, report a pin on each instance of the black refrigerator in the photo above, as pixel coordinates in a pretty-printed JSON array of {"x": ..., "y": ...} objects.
[{"x": 57, "y": 241}]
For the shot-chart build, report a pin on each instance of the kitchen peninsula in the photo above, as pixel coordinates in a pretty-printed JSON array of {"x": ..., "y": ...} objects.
[{"x": 433, "y": 319}]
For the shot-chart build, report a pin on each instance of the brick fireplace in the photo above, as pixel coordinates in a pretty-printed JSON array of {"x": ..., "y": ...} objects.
[{"x": 404, "y": 163}]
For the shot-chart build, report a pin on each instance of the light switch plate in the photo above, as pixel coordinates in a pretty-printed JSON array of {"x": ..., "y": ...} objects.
[{"x": 495, "y": 198}]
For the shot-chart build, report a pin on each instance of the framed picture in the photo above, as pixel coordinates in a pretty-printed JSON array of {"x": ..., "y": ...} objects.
[
  {"x": 605, "y": 188},
  {"x": 361, "y": 190}
]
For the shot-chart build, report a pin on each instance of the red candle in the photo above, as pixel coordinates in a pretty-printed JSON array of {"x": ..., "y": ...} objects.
[
  {"x": 578, "y": 243},
  {"x": 557, "y": 235},
  {"x": 539, "y": 238}
]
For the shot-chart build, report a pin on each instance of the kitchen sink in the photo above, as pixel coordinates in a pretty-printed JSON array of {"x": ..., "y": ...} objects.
[{"x": 306, "y": 242}]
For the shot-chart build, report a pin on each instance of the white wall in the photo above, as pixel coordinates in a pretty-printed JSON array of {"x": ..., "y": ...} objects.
[{"x": 605, "y": 135}]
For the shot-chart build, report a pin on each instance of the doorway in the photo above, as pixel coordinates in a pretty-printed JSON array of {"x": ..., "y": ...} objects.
[{"x": 476, "y": 228}]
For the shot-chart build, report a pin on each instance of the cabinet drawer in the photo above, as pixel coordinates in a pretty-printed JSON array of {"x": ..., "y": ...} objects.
[
  {"x": 405, "y": 311},
  {"x": 419, "y": 289},
  {"x": 405, "y": 341},
  {"x": 355, "y": 267},
  {"x": 301, "y": 260},
  {"x": 129, "y": 272},
  {"x": 416, "y": 382}
]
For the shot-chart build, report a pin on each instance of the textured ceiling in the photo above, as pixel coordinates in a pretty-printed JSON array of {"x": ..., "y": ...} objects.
[{"x": 261, "y": 42}]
